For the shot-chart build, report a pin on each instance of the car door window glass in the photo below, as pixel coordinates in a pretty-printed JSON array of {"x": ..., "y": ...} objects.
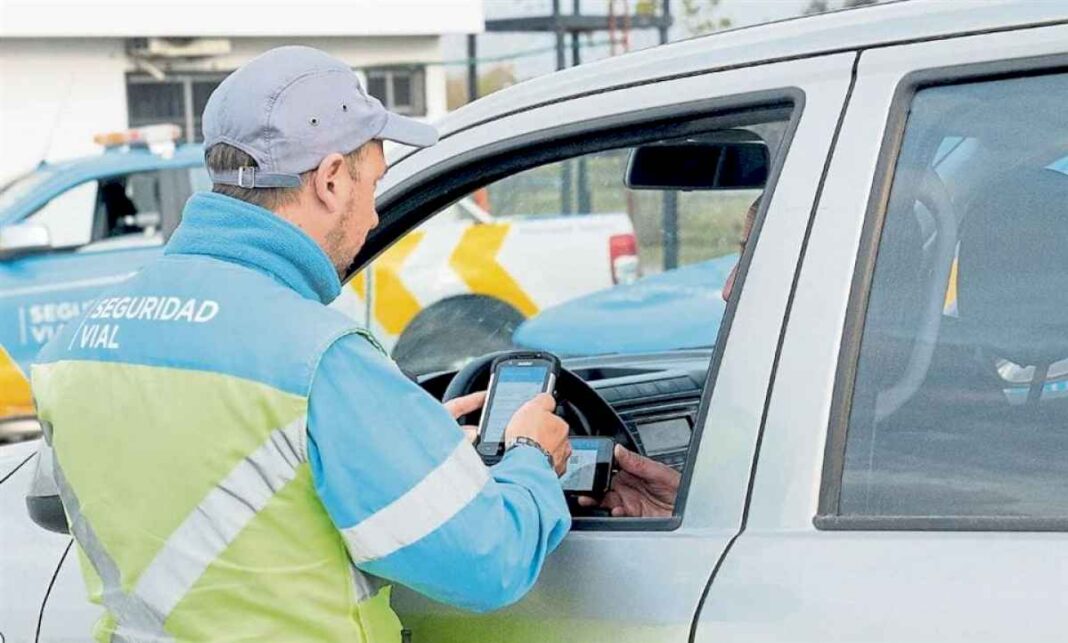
[
  {"x": 106, "y": 213},
  {"x": 563, "y": 256},
  {"x": 960, "y": 404},
  {"x": 622, "y": 273},
  {"x": 579, "y": 266}
]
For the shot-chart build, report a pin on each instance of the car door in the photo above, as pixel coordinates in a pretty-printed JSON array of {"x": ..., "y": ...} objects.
[
  {"x": 101, "y": 231},
  {"x": 911, "y": 482},
  {"x": 642, "y": 579},
  {"x": 31, "y": 555}
]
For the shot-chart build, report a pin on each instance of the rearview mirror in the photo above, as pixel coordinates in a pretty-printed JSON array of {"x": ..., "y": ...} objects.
[
  {"x": 23, "y": 238},
  {"x": 698, "y": 165}
]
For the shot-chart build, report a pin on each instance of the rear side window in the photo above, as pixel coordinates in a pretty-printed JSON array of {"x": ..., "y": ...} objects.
[{"x": 960, "y": 400}]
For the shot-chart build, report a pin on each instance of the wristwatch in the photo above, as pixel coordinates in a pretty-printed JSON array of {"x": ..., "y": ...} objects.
[{"x": 523, "y": 440}]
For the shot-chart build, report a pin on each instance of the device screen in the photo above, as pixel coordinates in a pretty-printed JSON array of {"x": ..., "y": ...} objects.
[
  {"x": 581, "y": 470},
  {"x": 514, "y": 387},
  {"x": 589, "y": 467}
]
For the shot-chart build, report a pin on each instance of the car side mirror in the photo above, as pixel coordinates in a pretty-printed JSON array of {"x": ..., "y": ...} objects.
[
  {"x": 22, "y": 239},
  {"x": 699, "y": 165}
]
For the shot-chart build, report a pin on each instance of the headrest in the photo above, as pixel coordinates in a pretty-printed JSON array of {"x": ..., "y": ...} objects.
[{"x": 1012, "y": 288}]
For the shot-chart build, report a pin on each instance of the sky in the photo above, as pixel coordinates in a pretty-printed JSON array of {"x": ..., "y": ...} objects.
[{"x": 496, "y": 45}]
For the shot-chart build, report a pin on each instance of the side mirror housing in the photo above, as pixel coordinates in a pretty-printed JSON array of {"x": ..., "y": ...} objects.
[
  {"x": 22, "y": 239},
  {"x": 699, "y": 165}
]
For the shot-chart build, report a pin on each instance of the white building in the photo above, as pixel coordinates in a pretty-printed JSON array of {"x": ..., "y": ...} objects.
[{"x": 69, "y": 68}]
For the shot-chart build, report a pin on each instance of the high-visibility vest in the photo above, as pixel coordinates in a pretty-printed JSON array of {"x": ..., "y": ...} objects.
[{"x": 177, "y": 410}]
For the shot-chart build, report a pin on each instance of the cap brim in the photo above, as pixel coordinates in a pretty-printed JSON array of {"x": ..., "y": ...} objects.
[{"x": 408, "y": 131}]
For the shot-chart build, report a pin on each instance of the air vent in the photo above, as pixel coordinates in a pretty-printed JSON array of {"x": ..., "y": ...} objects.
[{"x": 642, "y": 391}]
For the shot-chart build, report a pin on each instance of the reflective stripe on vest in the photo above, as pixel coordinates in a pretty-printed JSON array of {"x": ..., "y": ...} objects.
[
  {"x": 200, "y": 539},
  {"x": 422, "y": 509}
]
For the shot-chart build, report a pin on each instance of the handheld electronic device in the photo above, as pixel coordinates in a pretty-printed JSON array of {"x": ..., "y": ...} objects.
[
  {"x": 589, "y": 469},
  {"x": 514, "y": 379}
]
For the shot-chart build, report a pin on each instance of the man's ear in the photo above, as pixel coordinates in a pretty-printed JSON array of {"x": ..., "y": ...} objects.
[{"x": 326, "y": 180}]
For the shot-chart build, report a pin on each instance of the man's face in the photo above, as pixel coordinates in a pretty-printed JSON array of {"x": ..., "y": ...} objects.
[
  {"x": 747, "y": 229},
  {"x": 358, "y": 215}
]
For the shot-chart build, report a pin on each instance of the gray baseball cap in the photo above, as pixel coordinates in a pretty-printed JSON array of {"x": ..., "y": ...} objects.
[{"x": 291, "y": 107}]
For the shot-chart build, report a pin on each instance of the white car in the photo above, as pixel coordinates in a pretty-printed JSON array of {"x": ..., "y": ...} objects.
[{"x": 875, "y": 448}]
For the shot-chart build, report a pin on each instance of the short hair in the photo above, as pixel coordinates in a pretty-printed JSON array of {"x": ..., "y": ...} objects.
[{"x": 223, "y": 156}]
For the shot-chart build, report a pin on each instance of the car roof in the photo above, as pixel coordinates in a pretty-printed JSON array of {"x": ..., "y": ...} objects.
[
  {"x": 113, "y": 162},
  {"x": 853, "y": 29},
  {"x": 124, "y": 160}
]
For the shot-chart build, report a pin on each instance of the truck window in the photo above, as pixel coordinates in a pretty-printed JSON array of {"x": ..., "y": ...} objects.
[
  {"x": 960, "y": 401},
  {"x": 109, "y": 212}
]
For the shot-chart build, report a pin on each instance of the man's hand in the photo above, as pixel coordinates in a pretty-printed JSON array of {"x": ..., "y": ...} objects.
[
  {"x": 642, "y": 488},
  {"x": 462, "y": 406},
  {"x": 536, "y": 420}
]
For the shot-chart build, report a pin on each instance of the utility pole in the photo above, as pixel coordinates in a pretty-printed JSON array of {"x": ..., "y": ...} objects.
[
  {"x": 561, "y": 63},
  {"x": 472, "y": 68}
]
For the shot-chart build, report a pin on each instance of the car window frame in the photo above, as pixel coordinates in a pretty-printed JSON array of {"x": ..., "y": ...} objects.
[
  {"x": 416, "y": 199},
  {"x": 828, "y": 516}
]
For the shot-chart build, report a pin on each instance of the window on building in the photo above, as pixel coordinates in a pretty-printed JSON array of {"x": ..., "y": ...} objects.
[
  {"x": 960, "y": 403},
  {"x": 401, "y": 89},
  {"x": 178, "y": 99}
]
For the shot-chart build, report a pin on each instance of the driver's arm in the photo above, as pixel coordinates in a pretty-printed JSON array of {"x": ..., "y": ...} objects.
[{"x": 411, "y": 497}]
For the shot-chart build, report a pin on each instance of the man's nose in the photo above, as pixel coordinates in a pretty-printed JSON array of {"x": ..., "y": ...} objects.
[{"x": 728, "y": 286}]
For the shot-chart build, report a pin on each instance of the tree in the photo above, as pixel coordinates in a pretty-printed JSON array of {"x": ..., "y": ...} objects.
[
  {"x": 700, "y": 18},
  {"x": 816, "y": 6},
  {"x": 489, "y": 81},
  {"x": 823, "y": 6}
]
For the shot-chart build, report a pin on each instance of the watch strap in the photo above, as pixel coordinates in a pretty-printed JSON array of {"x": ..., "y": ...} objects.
[{"x": 530, "y": 442}]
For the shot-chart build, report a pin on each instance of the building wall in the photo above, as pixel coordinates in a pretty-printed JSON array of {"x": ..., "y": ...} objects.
[
  {"x": 358, "y": 51},
  {"x": 55, "y": 93}
]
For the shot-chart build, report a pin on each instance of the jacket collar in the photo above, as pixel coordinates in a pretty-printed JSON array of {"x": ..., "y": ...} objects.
[{"x": 232, "y": 230}]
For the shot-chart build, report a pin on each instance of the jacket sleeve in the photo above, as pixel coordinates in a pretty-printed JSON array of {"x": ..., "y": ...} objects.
[{"x": 410, "y": 496}]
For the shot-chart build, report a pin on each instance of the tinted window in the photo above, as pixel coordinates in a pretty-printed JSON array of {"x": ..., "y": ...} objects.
[{"x": 960, "y": 406}]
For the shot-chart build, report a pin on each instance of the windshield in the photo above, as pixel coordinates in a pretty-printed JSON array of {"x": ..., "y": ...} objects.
[
  {"x": 12, "y": 192},
  {"x": 567, "y": 258}
]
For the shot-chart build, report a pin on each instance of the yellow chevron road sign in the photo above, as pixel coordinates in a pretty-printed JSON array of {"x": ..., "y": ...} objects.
[{"x": 15, "y": 397}]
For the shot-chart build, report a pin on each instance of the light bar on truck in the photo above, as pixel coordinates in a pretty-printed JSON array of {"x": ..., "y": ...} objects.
[{"x": 147, "y": 136}]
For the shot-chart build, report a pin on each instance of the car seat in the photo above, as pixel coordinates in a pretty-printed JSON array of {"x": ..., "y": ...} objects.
[
  {"x": 1013, "y": 272},
  {"x": 117, "y": 205}
]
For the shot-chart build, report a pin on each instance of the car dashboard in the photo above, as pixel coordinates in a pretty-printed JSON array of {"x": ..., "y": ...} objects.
[{"x": 657, "y": 395}]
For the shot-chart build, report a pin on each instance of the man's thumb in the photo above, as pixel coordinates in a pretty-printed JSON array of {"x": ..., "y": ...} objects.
[
  {"x": 628, "y": 460},
  {"x": 543, "y": 401}
]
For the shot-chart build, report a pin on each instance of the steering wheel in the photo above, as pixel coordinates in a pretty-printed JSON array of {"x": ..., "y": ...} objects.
[{"x": 584, "y": 410}]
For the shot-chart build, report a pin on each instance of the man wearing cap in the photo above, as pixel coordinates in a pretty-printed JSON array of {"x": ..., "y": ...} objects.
[{"x": 236, "y": 460}]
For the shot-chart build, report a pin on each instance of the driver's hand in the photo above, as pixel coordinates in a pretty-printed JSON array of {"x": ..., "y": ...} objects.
[
  {"x": 462, "y": 406},
  {"x": 536, "y": 420},
  {"x": 643, "y": 488}
]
